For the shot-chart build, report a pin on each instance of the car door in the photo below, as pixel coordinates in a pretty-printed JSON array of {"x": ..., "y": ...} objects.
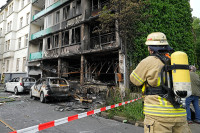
[
  {"x": 28, "y": 82},
  {"x": 12, "y": 83},
  {"x": 8, "y": 84},
  {"x": 37, "y": 88},
  {"x": 15, "y": 83}
]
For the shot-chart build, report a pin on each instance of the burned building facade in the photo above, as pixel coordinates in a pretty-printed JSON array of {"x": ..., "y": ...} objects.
[{"x": 66, "y": 42}]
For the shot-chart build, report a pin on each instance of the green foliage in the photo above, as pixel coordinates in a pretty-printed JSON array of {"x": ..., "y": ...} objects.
[
  {"x": 137, "y": 19},
  {"x": 172, "y": 17},
  {"x": 196, "y": 27},
  {"x": 132, "y": 111}
]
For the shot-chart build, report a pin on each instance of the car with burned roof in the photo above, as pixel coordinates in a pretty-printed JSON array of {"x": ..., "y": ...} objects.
[
  {"x": 49, "y": 88},
  {"x": 19, "y": 84}
]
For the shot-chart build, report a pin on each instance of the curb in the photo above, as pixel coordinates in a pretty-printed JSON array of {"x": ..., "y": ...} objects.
[{"x": 121, "y": 119}]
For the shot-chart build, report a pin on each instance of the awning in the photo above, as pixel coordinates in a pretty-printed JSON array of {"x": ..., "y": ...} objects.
[
  {"x": 34, "y": 63},
  {"x": 34, "y": 72}
]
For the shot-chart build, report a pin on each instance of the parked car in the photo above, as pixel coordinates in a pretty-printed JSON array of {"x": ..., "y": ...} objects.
[
  {"x": 19, "y": 84},
  {"x": 49, "y": 88}
]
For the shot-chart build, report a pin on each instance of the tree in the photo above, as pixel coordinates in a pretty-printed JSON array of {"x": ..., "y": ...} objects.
[
  {"x": 196, "y": 28},
  {"x": 137, "y": 19}
]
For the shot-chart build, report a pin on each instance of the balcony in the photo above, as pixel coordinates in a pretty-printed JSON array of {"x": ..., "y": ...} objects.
[
  {"x": 48, "y": 9},
  {"x": 41, "y": 33},
  {"x": 34, "y": 1},
  {"x": 35, "y": 56},
  {"x": 103, "y": 41},
  {"x": 95, "y": 10},
  {"x": 51, "y": 53}
]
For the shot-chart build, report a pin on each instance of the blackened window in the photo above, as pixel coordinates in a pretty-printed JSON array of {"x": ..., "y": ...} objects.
[
  {"x": 66, "y": 12},
  {"x": 57, "y": 17},
  {"x": 78, "y": 7},
  {"x": 49, "y": 43},
  {"x": 65, "y": 38},
  {"x": 56, "y": 40},
  {"x": 76, "y": 35}
]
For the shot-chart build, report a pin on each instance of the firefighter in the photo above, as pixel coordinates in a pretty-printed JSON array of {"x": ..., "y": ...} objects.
[{"x": 160, "y": 115}]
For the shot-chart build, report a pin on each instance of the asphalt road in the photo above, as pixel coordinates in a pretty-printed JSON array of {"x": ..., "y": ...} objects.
[{"x": 25, "y": 112}]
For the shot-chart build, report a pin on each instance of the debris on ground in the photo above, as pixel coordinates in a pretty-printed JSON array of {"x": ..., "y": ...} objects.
[
  {"x": 14, "y": 96},
  {"x": 84, "y": 98},
  {"x": 6, "y": 99}
]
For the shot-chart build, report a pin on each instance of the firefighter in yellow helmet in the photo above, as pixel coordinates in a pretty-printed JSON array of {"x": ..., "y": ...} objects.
[{"x": 160, "y": 115}]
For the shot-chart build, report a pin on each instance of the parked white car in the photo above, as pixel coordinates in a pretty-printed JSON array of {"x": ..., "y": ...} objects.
[
  {"x": 49, "y": 88},
  {"x": 19, "y": 84}
]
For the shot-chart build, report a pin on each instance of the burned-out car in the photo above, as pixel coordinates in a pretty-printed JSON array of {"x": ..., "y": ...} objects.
[{"x": 49, "y": 88}]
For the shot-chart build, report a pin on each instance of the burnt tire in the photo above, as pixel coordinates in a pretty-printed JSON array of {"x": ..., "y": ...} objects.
[
  {"x": 16, "y": 91},
  {"x": 42, "y": 98}
]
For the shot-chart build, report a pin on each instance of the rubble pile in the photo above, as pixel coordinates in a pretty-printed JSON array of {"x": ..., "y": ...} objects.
[{"x": 85, "y": 98}]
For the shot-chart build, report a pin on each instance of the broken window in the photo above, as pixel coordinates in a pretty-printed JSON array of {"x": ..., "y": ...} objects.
[
  {"x": 40, "y": 46},
  {"x": 65, "y": 38},
  {"x": 57, "y": 17},
  {"x": 98, "y": 4},
  {"x": 76, "y": 35},
  {"x": 49, "y": 21},
  {"x": 56, "y": 41},
  {"x": 49, "y": 43},
  {"x": 95, "y": 4},
  {"x": 76, "y": 7},
  {"x": 66, "y": 12}
]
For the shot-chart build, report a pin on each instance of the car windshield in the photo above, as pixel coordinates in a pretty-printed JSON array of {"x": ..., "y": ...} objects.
[{"x": 58, "y": 81}]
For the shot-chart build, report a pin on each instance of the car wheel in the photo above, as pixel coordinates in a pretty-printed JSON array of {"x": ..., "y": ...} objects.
[
  {"x": 5, "y": 88},
  {"x": 42, "y": 98},
  {"x": 16, "y": 91}
]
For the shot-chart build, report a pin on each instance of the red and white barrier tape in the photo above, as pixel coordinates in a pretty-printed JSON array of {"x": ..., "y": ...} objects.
[{"x": 46, "y": 125}]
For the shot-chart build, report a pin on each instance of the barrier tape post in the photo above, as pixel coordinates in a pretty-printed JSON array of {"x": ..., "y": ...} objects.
[{"x": 46, "y": 125}]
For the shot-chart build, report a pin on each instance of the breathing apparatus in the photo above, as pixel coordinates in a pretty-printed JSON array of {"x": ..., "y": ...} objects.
[{"x": 175, "y": 77}]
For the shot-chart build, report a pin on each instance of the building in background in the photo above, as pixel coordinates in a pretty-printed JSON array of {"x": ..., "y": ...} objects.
[
  {"x": 66, "y": 42},
  {"x": 14, "y": 38}
]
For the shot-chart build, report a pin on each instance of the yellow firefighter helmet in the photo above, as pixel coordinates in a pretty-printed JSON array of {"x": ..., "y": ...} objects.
[{"x": 156, "y": 38}]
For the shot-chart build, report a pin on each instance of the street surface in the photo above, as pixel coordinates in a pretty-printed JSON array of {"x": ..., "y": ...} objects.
[{"x": 25, "y": 112}]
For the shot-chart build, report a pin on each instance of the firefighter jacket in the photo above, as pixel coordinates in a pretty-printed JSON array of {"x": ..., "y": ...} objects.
[
  {"x": 148, "y": 73},
  {"x": 195, "y": 84}
]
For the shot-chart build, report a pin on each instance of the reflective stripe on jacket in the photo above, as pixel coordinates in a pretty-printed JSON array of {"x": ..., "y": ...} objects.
[{"x": 148, "y": 70}]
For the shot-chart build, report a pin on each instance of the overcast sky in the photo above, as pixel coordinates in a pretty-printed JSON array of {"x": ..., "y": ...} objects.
[{"x": 195, "y": 5}]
